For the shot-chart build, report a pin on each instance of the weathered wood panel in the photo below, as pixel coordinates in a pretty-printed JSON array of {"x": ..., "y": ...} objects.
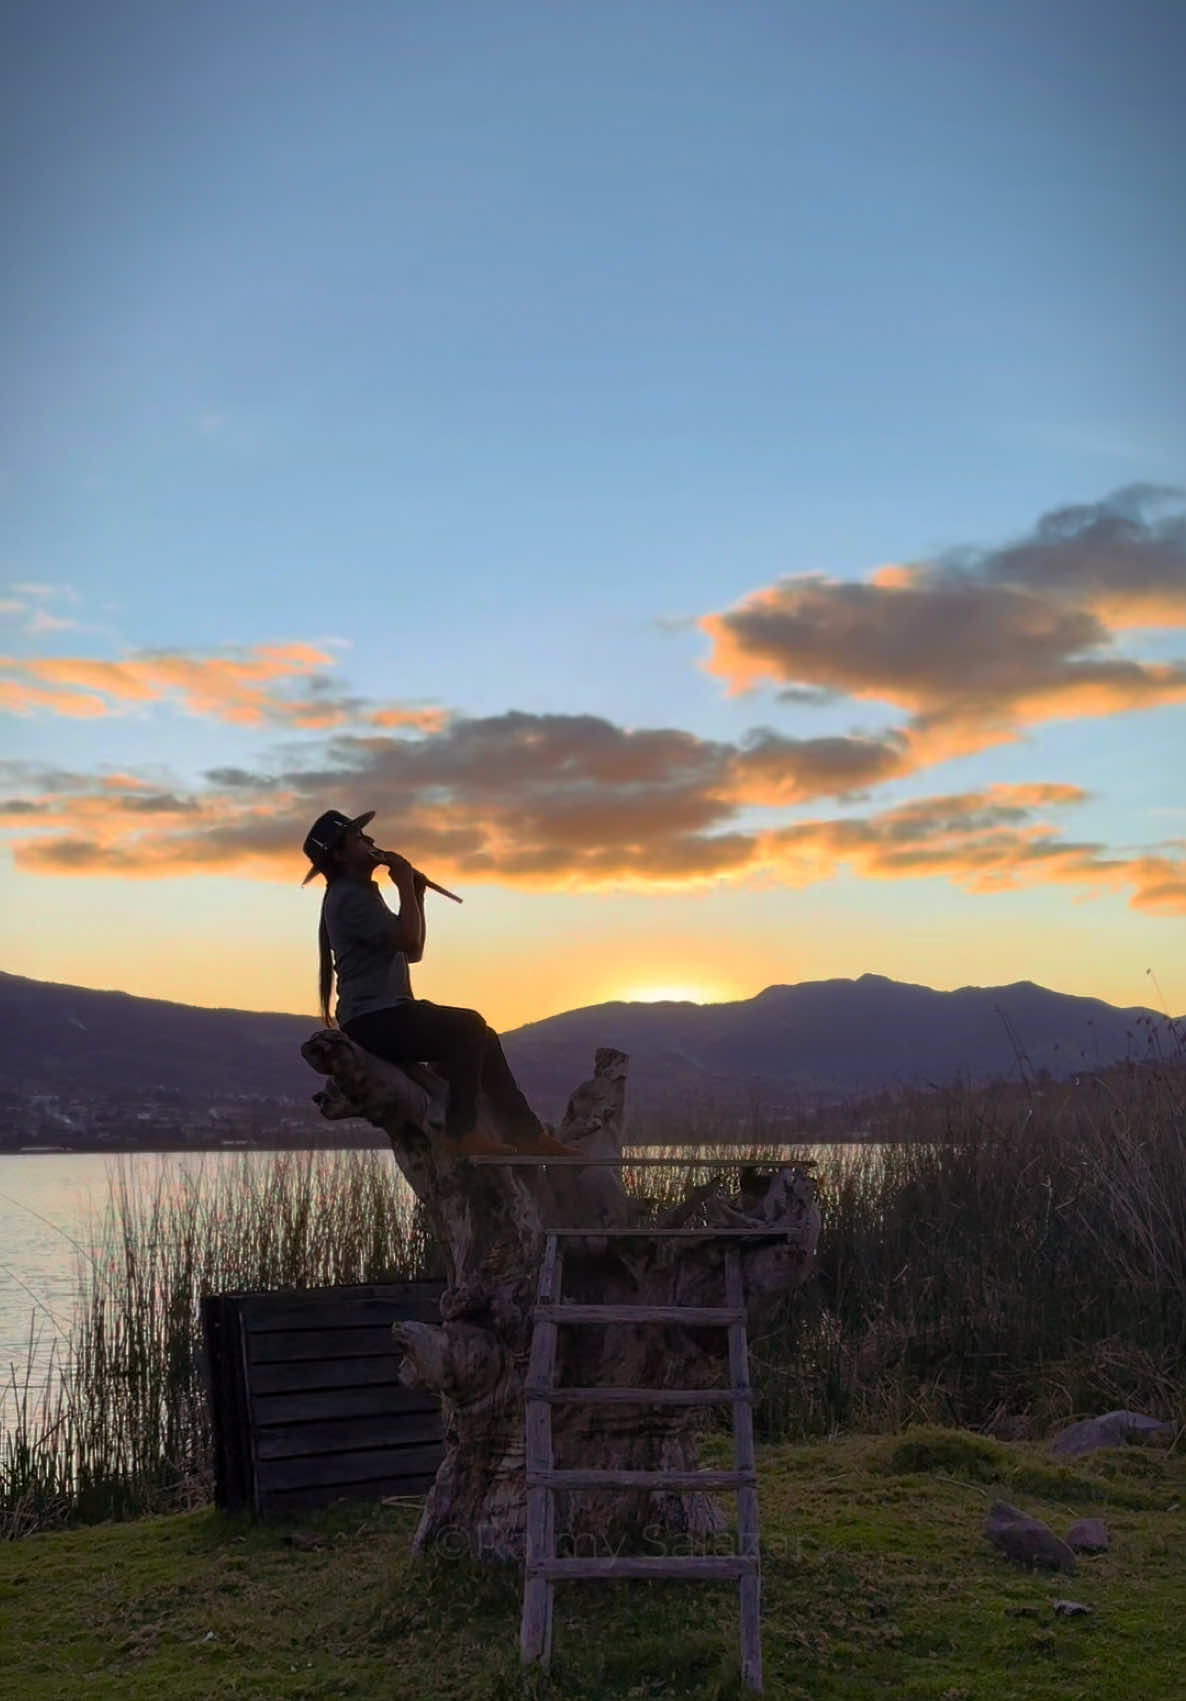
[
  {"x": 301, "y": 1440},
  {"x": 342, "y": 1470},
  {"x": 226, "y": 1389},
  {"x": 321, "y": 1404},
  {"x": 306, "y": 1403},
  {"x": 264, "y": 1312},
  {"x": 306, "y": 1375},
  {"x": 284, "y": 1346},
  {"x": 291, "y": 1502}
]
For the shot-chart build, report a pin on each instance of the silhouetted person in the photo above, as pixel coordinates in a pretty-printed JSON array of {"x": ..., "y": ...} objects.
[{"x": 369, "y": 949}]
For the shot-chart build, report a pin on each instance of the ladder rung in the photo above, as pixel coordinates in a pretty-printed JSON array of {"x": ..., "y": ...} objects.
[
  {"x": 521, "y": 1159},
  {"x": 650, "y": 1565},
  {"x": 640, "y": 1396},
  {"x": 641, "y": 1479},
  {"x": 672, "y": 1233},
  {"x": 569, "y": 1313}
]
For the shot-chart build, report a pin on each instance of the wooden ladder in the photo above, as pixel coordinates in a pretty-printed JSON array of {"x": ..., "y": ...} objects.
[{"x": 542, "y": 1568}]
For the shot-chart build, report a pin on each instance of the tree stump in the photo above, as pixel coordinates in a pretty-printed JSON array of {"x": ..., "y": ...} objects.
[{"x": 491, "y": 1223}]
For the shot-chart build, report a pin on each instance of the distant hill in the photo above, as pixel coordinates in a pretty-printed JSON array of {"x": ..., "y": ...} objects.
[
  {"x": 70, "y": 1039},
  {"x": 833, "y": 1039},
  {"x": 818, "y": 1041}
]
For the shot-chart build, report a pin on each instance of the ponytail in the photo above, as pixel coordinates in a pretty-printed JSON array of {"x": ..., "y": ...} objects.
[{"x": 325, "y": 978}]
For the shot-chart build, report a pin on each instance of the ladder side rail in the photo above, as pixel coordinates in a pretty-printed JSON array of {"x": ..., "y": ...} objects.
[
  {"x": 535, "y": 1637},
  {"x": 748, "y": 1539},
  {"x": 524, "y": 1160}
]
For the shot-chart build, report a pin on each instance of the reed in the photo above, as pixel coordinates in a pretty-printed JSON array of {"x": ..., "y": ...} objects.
[
  {"x": 1018, "y": 1252},
  {"x": 117, "y": 1421},
  {"x": 1024, "y": 1259}
]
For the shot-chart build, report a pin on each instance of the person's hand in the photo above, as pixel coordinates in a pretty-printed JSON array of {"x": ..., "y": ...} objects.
[{"x": 399, "y": 866}]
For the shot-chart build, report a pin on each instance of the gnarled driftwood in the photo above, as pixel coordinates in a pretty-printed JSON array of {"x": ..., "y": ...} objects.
[{"x": 491, "y": 1223}]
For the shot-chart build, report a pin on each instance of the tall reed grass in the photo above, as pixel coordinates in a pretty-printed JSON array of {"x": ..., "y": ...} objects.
[
  {"x": 1026, "y": 1260},
  {"x": 118, "y": 1421},
  {"x": 1018, "y": 1252}
]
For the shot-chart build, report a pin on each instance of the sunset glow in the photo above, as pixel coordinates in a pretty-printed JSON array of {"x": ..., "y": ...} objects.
[{"x": 544, "y": 435}]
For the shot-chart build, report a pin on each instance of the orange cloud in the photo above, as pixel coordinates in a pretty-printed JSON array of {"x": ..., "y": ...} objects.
[
  {"x": 986, "y": 842},
  {"x": 770, "y": 769},
  {"x": 1124, "y": 558},
  {"x": 246, "y": 687},
  {"x": 18, "y": 697},
  {"x": 423, "y": 720},
  {"x": 568, "y": 803},
  {"x": 960, "y": 651},
  {"x": 113, "y": 679},
  {"x": 237, "y": 687},
  {"x": 974, "y": 648},
  {"x": 970, "y": 650},
  {"x": 983, "y": 842}
]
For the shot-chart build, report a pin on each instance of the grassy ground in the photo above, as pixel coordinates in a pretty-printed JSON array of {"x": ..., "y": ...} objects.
[{"x": 876, "y": 1580}]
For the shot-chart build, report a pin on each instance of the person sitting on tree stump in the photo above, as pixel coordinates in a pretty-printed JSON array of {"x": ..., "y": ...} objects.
[{"x": 368, "y": 950}]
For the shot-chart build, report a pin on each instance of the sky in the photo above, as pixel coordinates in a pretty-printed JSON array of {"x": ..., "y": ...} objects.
[{"x": 710, "y": 477}]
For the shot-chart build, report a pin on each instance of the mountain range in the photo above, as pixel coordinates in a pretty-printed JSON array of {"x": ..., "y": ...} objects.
[{"x": 789, "y": 1047}]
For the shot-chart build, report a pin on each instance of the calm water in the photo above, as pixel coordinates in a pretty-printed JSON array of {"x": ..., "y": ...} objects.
[
  {"x": 45, "y": 1204},
  {"x": 48, "y": 1205}
]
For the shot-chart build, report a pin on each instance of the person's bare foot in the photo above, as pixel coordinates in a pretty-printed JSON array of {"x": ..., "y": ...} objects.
[
  {"x": 545, "y": 1145},
  {"x": 475, "y": 1144}
]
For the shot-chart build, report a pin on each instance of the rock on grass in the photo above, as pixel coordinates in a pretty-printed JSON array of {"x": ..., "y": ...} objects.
[
  {"x": 1027, "y": 1540},
  {"x": 1089, "y": 1535},
  {"x": 1113, "y": 1429}
]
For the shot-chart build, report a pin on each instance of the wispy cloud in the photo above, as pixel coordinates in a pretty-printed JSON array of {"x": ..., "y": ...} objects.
[
  {"x": 251, "y": 686},
  {"x": 42, "y": 589},
  {"x": 25, "y": 602},
  {"x": 44, "y": 621}
]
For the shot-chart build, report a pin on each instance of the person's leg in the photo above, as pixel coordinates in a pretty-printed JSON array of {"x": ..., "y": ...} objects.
[
  {"x": 418, "y": 1031},
  {"x": 451, "y": 1038},
  {"x": 504, "y": 1092},
  {"x": 524, "y": 1128},
  {"x": 380, "y": 1033},
  {"x": 468, "y": 1053}
]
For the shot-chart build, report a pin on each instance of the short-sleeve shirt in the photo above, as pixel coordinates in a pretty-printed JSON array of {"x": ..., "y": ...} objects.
[{"x": 371, "y": 973}]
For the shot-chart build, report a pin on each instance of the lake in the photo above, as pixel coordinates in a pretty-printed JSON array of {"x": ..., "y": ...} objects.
[{"x": 49, "y": 1202}]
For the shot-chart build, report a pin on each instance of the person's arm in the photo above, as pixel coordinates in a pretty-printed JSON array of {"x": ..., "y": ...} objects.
[
  {"x": 407, "y": 928},
  {"x": 418, "y": 885}
]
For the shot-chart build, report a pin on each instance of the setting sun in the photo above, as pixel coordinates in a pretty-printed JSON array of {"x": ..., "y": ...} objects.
[{"x": 677, "y": 993}]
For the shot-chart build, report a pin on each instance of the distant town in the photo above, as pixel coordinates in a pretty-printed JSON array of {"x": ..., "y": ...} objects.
[{"x": 165, "y": 1120}]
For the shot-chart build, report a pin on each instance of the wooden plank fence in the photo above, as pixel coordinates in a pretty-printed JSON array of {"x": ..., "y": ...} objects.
[{"x": 304, "y": 1399}]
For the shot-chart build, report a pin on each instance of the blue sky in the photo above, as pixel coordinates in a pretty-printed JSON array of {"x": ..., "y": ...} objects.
[{"x": 487, "y": 350}]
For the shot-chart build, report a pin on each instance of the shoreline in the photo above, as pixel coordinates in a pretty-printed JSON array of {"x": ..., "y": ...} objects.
[{"x": 123, "y": 1149}]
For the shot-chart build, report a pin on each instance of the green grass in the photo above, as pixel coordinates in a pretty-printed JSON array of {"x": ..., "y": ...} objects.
[{"x": 876, "y": 1581}]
